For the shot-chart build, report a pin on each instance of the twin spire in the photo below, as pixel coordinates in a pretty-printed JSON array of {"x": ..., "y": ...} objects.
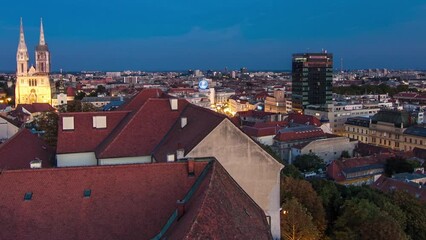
[{"x": 22, "y": 45}]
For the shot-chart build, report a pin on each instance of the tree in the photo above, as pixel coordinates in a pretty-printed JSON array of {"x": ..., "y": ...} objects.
[
  {"x": 360, "y": 220},
  {"x": 308, "y": 162},
  {"x": 290, "y": 170},
  {"x": 397, "y": 165},
  {"x": 415, "y": 212},
  {"x": 296, "y": 222},
  {"x": 48, "y": 122},
  {"x": 302, "y": 190}
]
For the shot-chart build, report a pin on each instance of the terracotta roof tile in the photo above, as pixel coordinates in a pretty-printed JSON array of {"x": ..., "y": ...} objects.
[
  {"x": 85, "y": 138},
  {"x": 12, "y": 155},
  {"x": 300, "y": 134},
  {"x": 123, "y": 204},
  {"x": 200, "y": 122}
]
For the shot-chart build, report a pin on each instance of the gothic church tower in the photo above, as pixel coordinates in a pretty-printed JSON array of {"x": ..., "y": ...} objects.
[{"x": 33, "y": 84}]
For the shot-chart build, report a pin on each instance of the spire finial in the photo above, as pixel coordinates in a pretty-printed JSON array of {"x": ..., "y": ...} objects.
[
  {"x": 22, "y": 44},
  {"x": 42, "y": 41}
]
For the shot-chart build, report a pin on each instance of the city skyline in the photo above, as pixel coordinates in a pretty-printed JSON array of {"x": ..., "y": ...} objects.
[{"x": 257, "y": 35}]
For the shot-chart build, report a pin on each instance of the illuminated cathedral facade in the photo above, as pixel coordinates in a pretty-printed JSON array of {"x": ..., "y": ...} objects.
[{"x": 32, "y": 83}]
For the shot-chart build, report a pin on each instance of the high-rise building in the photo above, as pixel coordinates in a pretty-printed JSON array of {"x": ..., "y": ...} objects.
[
  {"x": 33, "y": 84},
  {"x": 312, "y": 75}
]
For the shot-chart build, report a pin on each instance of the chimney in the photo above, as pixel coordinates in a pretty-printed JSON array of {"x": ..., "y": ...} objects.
[
  {"x": 180, "y": 154},
  {"x": 174, "y": 104},
  {"x": 191, "y": 166},
  {"x": 36, "y": 163},
  {"x": 183, "y": 122},
  {"x": 180, "y": 208}
]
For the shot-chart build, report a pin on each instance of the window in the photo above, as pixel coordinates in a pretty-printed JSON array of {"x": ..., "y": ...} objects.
[
  {"x": 170, "y": 157},
  {"x": 87, "y": 193},
  {"x": 28, "y": 196},
  {"x": 68, "y": 123},
  {"x": 99, "y": 122}
]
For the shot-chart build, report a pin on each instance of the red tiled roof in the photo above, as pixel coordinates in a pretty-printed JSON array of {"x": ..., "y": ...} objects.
[
  {"x": 252, "y": 113},
  {"x": 70, "y": 92},
  {"x": 261, "y": 129},
  {"x": 389, "y": 185},
  {"x": 22, "y": 148},
  {"x": 200, "y": 122},
  {"x": 336, "y": 168},
  {"x": 221, "y": 210},
  {"x": 142, "y": 131},
  {"x": 303, "y": 119},
  {"x": 365, "y": 149},
  {"x": 300, "y": 135},
  {"x": 124, "y": 204},
  {"x": 85, "y": 138},
  {"x": 140, "y": 98},
  {"x": 35, "y": 107}
]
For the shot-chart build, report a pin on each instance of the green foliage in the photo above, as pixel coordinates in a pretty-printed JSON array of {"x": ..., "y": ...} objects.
[
  {"x": 398, "y": 165},
  {"x": 360, "y": 220},
  {"x": 302, "y": 190},
  {"x": 308, "y": 162},
  {"x": 296, "y": 222},
  {"x": 48, "y": 122},
  {"x": 415, "y": 213},
  {"x": 369, "y": 89},
  {"x": 291, "y": 171},
  {"x": 80, "y": 95}
]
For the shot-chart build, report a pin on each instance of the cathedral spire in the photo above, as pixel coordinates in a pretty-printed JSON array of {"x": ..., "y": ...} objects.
[
  {"x": 42, "y": 41},
  {"x": 22, "y": 45}
]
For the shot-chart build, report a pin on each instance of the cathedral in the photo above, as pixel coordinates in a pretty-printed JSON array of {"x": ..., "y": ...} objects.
[{"x": 32, "y": 83}]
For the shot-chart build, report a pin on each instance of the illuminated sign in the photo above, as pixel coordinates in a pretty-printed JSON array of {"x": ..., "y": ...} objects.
[{"x": 203, "y": 84}]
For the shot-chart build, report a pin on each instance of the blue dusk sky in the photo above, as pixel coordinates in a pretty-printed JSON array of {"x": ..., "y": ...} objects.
[{"x": 183, "y": 34}]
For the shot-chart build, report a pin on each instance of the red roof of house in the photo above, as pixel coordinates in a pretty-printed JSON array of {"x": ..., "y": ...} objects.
[
  {"x": 36, "y": 107},
  {"x": 140, "y": 98},
  {"x": 85, "y": 138},
  {"x": 142, "y": 131},
  {"x": 252, "y": 113},
  {"x": 123, "y": 204},
  {"x": 300, "y": 134},
  {"x": 365, "y": 149},
  {"x": 22, "y": 148},
  {"x": 389, "y": 185},
  {"x": 208, "y": 216},
  {"x": 303, "y": 119},
  {"x": 70, "y": 92},
  {"x": 200, "y": 122},
  {"x": 336, "y": 168},
  {"x": 261, "y": 129}
]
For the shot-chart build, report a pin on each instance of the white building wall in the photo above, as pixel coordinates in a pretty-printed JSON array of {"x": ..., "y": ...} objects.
[
  {"x": 266, "y": 140},
  {"x": 125, "y": 160},
  {"x": 249, "y": 165},
  {"x": 7, "y": 130},
  {"x": 76, "y": 159}
]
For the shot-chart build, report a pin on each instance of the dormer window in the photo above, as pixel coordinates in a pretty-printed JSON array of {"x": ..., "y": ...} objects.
[
  {"x": 67, "y": 123},
  {"x": 99, "y": 122}
]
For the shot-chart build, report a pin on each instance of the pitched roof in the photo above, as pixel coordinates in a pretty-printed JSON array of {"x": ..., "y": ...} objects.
[
  {"x": 139, "y": 133},
  {"x": 123, "y": 204},
  {"x": 299, "y": 134},
  {"x": 200, "y": 122},
  {"x": 365, "y": 149},
  {"x": 35, "y": 107},
  {"x": 14, "y": 121},
  {"x": 12, "y": 155},
  {"x": 303, "y": 119},
  {"x": 85, "y": 138},
  {"x": 260, "y": 129},
  {"x": 221, "y": 210},
  {"x": 140, "y": 98},
  {"x": 389, "y": 185},
  {"x": 349, "y": 165}
]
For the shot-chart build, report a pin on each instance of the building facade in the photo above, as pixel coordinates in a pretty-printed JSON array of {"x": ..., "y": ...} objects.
[
  {"x": 312, "y": 77},
  {"x": 32, "y": 83}
]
